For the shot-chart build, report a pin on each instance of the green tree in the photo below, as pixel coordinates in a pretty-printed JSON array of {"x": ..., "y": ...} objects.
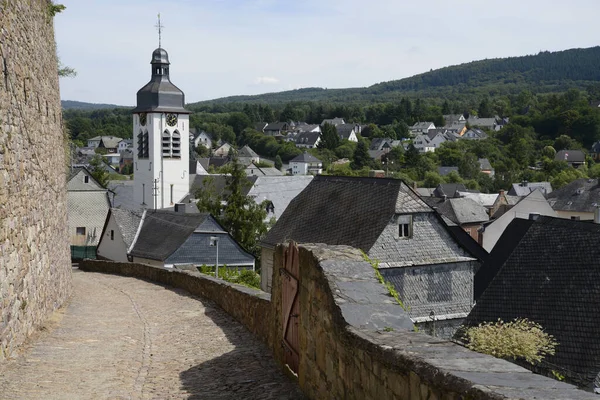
[
  {"x": 329, "y": 137},
  {"x": 237, "y": 212},
  {"x": 361, "y": 157},
  {"x": 98, "y": 170},
  {"x": 485, "y": 109},
  {"x": 278, "y": 162},
  {"x": 412, "y": 155},
  {"x": 432, "y": 179}
]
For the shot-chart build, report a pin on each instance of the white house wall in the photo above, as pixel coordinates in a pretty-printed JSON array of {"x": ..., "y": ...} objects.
[
  {"x": 115, "y": 250},
  {"x": 534, "y": 203}
]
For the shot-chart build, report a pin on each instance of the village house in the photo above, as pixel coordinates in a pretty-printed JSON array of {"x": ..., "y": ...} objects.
[
  {"x": 308, "y": 140},
  {"x": 305, "y": 164},
  {"x": 247, "y": 156},
  {"x": 485, "y": 123},
  {"x": 172, "y": 238},
  {"x": 579, "y": 199},
  {"x": 87, "y": 206},
  {"x": 486, "y": 167},
  {"x": 465, "y": 212},
  {"x": 454, "y": 118},
  {"x": 443, "y": 171},
  {"x": 333, "y": 121},
  {"x": 524, "y": 188},
  {"x": 574, "y": 158},
  {"x": 546, "y": 270},
  {"x": 124, "y": 145},
  {"x": 125, "y": 158},
  {"x": 118, "y": 233},
  {"x": 533, "y": 203},
  {"x": 423, "y": 143},
  {"x": 200, "y": 138},
  {"x": 414, "y": 249},
  {"x": 348, "y": 131},
  {"x": 253, "y": 170},
  {"x": 595, "y": 153},
  {"x": 422, "y": 127},
  {"x": 223, "y": 150},
  {"x": 474, "y": 134},
  {"x": 276, "y": 128}
]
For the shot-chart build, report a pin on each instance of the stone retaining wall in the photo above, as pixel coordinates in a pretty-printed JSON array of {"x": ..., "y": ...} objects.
[
  {"x": 35, "y": 265},
  {"x": 341, "y": 361}
]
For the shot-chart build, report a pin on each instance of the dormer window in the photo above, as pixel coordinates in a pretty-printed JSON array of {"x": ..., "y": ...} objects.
[{"x": 405, "y": 228}]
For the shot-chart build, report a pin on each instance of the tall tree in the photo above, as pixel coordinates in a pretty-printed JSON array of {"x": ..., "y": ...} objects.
[
  {"x": 98, "y": 170},
  {"x": 329, "y": 137},
  {"x": 237, "y": 212},
  {"x": 361, "y": 156}
]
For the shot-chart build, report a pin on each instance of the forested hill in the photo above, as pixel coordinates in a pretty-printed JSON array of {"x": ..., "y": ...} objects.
[
  {"x": 541, "y": 73},
  {"x": 79, "y": 105}
]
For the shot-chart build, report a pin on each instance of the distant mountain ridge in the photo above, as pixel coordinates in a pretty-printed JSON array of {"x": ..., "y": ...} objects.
[
  {"x": 541, "y": 73},
  {"x": 80, "y": 105}
]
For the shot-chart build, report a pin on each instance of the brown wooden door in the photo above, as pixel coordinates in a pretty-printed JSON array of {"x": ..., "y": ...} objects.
[{"x": 290, "y": 306}]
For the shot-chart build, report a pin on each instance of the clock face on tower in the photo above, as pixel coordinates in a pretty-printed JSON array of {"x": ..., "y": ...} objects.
[
  {"x": 171, "y": 119},
  {"x": 143, "y": 118}
]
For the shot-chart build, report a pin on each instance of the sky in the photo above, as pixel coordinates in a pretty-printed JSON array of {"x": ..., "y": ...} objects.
[{"x": 221, "y": 48}]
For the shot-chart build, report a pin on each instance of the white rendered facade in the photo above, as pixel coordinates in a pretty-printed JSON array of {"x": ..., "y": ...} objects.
[{"x": 162, "y": 178}]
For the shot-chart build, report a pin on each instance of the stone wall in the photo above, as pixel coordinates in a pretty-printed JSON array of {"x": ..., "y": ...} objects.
[
  {"x": 35, "y": 270},
  {"x": 361, "y": 359}
]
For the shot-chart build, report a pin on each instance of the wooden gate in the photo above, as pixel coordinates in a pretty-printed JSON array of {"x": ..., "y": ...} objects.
[{"x": 290, "y": 306}]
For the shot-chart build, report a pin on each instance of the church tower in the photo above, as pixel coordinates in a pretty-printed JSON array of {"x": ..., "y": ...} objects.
[{"x": 160, "y": 139}]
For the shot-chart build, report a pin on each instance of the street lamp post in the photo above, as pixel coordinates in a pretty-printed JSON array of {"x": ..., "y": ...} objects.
[{"x": 214, "y": 241}]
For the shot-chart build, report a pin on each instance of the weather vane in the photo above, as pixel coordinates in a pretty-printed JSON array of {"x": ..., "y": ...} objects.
[{"x": 160, "y": 27}]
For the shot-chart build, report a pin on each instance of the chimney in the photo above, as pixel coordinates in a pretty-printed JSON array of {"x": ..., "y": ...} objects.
[
  {"x": 414, "y": 185},
  {"x": 445, "y": 198},
  {"x": 534, "y": 216},
  {"x": 501, "y": 192},
  {"x": 180, "y": 208},
  {"x": 524, "y": 184}
]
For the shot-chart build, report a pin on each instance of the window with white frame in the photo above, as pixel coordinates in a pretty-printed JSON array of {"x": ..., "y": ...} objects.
[{"x": 405, "y": 228}]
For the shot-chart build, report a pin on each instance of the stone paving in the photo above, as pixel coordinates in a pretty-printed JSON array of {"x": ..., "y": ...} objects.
[{"x": 123, "y": 338}]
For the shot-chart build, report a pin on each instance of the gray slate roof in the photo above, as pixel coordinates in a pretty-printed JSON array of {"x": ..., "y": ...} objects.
[
  {"x": 552, "y": 277},
  {"x": 524, "y": 188},
  {"x": 333, "y": 121},
  {"x": 122, "y": 195},
  {"x": 443, "y": 171},
  {"x": 280, "y": 190},
  {"x": 88, "y": 209},
  {"x": 448, "y": 189},
  {"x": 572, "y": 156},
  {"x": 305, "y": 158},
  {"x": 247, "y": 151},
  {"x": 128, "y": 223},
  {"x": 196, "y": 249},
  {"x": 344, "y": 211},
  {"x": 582, "y": 195},
  {"x": 485, "y": 165},
  {"x": 459, "y": 210},
  {"x": 307, "y": 138}
]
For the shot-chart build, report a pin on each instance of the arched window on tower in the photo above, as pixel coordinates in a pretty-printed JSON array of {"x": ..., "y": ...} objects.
[
  {"x": 176, "y": 145},
  {"x": 166, "y": 144},
  {"x": 140, "y": 144},
  {"x": 146, "y": 145}
]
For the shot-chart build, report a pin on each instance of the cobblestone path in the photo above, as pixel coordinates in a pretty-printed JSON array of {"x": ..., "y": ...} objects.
[{"x": 123, "y": 338}]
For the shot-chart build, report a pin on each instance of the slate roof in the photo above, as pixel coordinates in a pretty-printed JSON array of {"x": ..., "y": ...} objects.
[
  {"x": 305, "y": 158},
  {"x": 475, "y": 133},
  {"x": 333, "y": 121},
  {"x": 524, "y": 188},
  {"x": 571, "y": 156},
  {"x": 163, "y": 232},
  {"x": 246, "y": 151},
  {"x": 280, "y": 190},
  {"x": 88, "y": 209},
  {"x": 422, "y": 125},
  {"x": 443, "y": 171},
  {"x": 425, "y": 192},
  {"x": 306, "y": 127},
  {"x": 483, "y": 122},
  {"x": 219, "y": 182},
  {"x": 459, "y": 210},
  {"x": 582, "y": 195},
  {"x": 196, "y": 249},
  {"x": 260, "y": 126},
  {"x": 128, "y": 223},
  {"x": 379, "y": 143},
  {"x": 503, "y": 248},
  {"x": 110, "y": 142},
  {"x": 596, "y": 147},
  {"x": 448, "y": 189},
  {"x": 552, "y": 278},
  {"x": 276, "y": 126},
  {"x": 344, "y": 130},
  {"x": 344, "y": 211},
  {"x": 122, "y": 195},
  {"x": 484, "y": 199},
  {"x": 484, "y": 164},
  {"x": 307, "y": 138}
]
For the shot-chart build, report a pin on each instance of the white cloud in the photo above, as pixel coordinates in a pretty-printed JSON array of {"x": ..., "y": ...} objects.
[{"x": 266, "y": 80}]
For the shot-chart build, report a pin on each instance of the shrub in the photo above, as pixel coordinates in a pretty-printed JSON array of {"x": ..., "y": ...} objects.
[
  {"x": 245, "y": 277},
  {"x": 520, "y": 338}
]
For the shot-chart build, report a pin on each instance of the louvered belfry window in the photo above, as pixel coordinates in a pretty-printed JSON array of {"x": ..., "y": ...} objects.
[
  {"x": 176, "y": 145},
  {"x": 166, "y": 144},
  {"x": 142, "y": 145}
]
